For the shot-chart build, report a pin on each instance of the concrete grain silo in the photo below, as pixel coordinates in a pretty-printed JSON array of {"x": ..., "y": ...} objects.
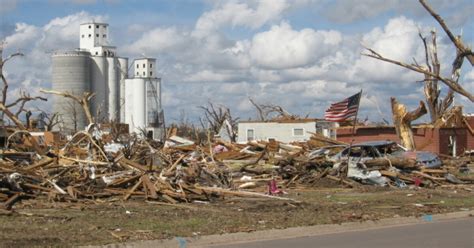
[
  {"x": 71, "y": 73},
  {"x": 143, "y": 110},
  {"x": 135, "y": 104}
]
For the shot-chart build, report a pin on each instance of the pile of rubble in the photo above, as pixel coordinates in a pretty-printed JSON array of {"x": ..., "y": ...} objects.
[{"x": 94, "y": 164}]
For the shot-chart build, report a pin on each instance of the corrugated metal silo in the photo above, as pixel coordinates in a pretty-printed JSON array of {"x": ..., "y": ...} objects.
[
  {"x": 99, "y": 75},
  {"x": 113, "y": 88},
  {"x": 123, "y": 74},
  {"x": 71, "y": 73}
]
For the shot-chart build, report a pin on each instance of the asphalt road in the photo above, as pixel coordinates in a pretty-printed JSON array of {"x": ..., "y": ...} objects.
[{"x": 450, "y": 233}]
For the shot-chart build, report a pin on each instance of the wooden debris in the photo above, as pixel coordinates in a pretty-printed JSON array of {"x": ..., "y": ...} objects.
[{"x": 82, "y": 170}]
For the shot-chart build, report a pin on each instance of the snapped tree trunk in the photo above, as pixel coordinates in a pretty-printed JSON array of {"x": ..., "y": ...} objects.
[{"x": 402, "y": 120}]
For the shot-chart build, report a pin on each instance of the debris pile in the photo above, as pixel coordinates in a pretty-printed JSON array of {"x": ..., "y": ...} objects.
[{"x": 95, "y": 164}]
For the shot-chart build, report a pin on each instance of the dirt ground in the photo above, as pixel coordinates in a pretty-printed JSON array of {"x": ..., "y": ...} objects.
[{"x": 43, "y": 223}]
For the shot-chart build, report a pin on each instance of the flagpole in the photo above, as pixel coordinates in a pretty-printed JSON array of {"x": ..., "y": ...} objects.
[{"x": 357, "y": 112}]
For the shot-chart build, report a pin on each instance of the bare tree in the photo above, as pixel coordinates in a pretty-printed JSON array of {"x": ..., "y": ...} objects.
[
  {"x": 437, "y": 106},
  {"x": 21, "y": 102},
  {"x": 270, "y": 111},
  {"x": 18, "y": 103},
  {"x": 81, "y": 100},
  {"x": 431, "y": 69},
  {"x": 72, "y": 108},
  {"x": 50, "y": 120},
  {"x": 2, "y": 63},
  {"x": 5, "y": 108},
  {"x": 215, "y": 117}
]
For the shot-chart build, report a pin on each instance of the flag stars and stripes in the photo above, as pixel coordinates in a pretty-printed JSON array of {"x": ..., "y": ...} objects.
[{"x": 343, "y": 110}]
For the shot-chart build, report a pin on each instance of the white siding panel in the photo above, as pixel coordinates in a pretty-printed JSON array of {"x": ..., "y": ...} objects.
[{"x": 283, "y": 132}]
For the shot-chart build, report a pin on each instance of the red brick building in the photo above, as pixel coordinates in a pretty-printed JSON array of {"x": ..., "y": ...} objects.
[{"x": 439, "y": 140}]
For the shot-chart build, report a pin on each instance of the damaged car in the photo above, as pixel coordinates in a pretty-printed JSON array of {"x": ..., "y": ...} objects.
[
  {"x": 359, "y": 155},
  {"x": 378, "y": 149}
]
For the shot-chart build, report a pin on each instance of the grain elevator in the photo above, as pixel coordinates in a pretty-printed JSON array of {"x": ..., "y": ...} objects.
[{"x": 95, "y": 67}]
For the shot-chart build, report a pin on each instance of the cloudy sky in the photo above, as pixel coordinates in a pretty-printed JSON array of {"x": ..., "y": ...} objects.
[{"x": 300, "y": 54}]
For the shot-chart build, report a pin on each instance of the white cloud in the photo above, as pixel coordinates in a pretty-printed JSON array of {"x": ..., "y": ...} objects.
[
  {"x": 399, "y": 41},
  {"x": 23, "y": 35},
  {"x": 157, "y": 40},
  {"x": 207, "y": 76},
  {"x": 282, "y": 47},
  {"x": 237, "y": 13},
  {"x": 301, "y": 69}
]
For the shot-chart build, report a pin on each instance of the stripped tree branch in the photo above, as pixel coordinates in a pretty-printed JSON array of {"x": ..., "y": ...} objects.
[
  {"x": 266, "y": 110},
  {"x": 216, "y": 117},
  {"x": 51, "y": 120},
  {"x": 22, "y": 101},
  {"x": 455, "y": 39},
  {"x": 259, "y": 109},
  {"x": 83, "y": 101},
  {"x": 2, "y": 76},
  {"x": 449, "y": 82}
]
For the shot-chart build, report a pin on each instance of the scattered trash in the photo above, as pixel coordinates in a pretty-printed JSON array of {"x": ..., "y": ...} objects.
[
  {"x": 428, "y": 217},
  {"x": 417, "y": 181},
  {"x": 273, "y": 188},
  {"x": 182, "y": 242},
  {"x": 400, "y": 184}
]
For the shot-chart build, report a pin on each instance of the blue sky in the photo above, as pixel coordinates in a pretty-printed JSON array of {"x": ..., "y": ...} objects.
[{"x": 300, "y": 54}]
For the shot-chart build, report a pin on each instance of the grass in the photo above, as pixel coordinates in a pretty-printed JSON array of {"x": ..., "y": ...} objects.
[{"x": 65, "y": 224}]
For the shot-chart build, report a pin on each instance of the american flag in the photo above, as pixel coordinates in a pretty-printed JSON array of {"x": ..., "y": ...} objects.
[{"x": 341, "y": 111}]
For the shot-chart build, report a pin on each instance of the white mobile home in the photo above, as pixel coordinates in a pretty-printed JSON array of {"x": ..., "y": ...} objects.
[{"x": 284, "y": 130}]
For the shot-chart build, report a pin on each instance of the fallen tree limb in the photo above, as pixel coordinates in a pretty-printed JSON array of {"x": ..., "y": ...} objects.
[{"x": 241, "y": 193}]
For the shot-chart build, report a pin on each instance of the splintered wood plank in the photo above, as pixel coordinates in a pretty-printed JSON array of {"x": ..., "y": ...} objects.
[
  {"x": 123, "y": 181},
  {"x": 241, "y": 193},
  {"x": 130, "y": 192},
  {"x": 33, "y": 186},
  {"x": 133, "y": 164},
  {"x": 71, "y": 191},
  {"x": 192, "y": 189},
  {"x": 41, "y": 163},
  {"x": 337, "y": 179},
  {"x": 150, "y": 189},
  {"x": 389, "y": 173},
  {"x": 9, "y": 203},
  {"x": 419, "y": 173},
  {"x": 434, "y": 171},
  {"x": 169, "y": 199}
]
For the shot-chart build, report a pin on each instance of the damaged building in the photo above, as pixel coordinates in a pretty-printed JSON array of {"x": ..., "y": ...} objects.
[
  {"x": 285, "y": 130},
  {"x": 452, "y": 138}
]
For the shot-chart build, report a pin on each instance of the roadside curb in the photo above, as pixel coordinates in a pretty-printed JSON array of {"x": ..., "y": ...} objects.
[{"x": 294, "y": 232}]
